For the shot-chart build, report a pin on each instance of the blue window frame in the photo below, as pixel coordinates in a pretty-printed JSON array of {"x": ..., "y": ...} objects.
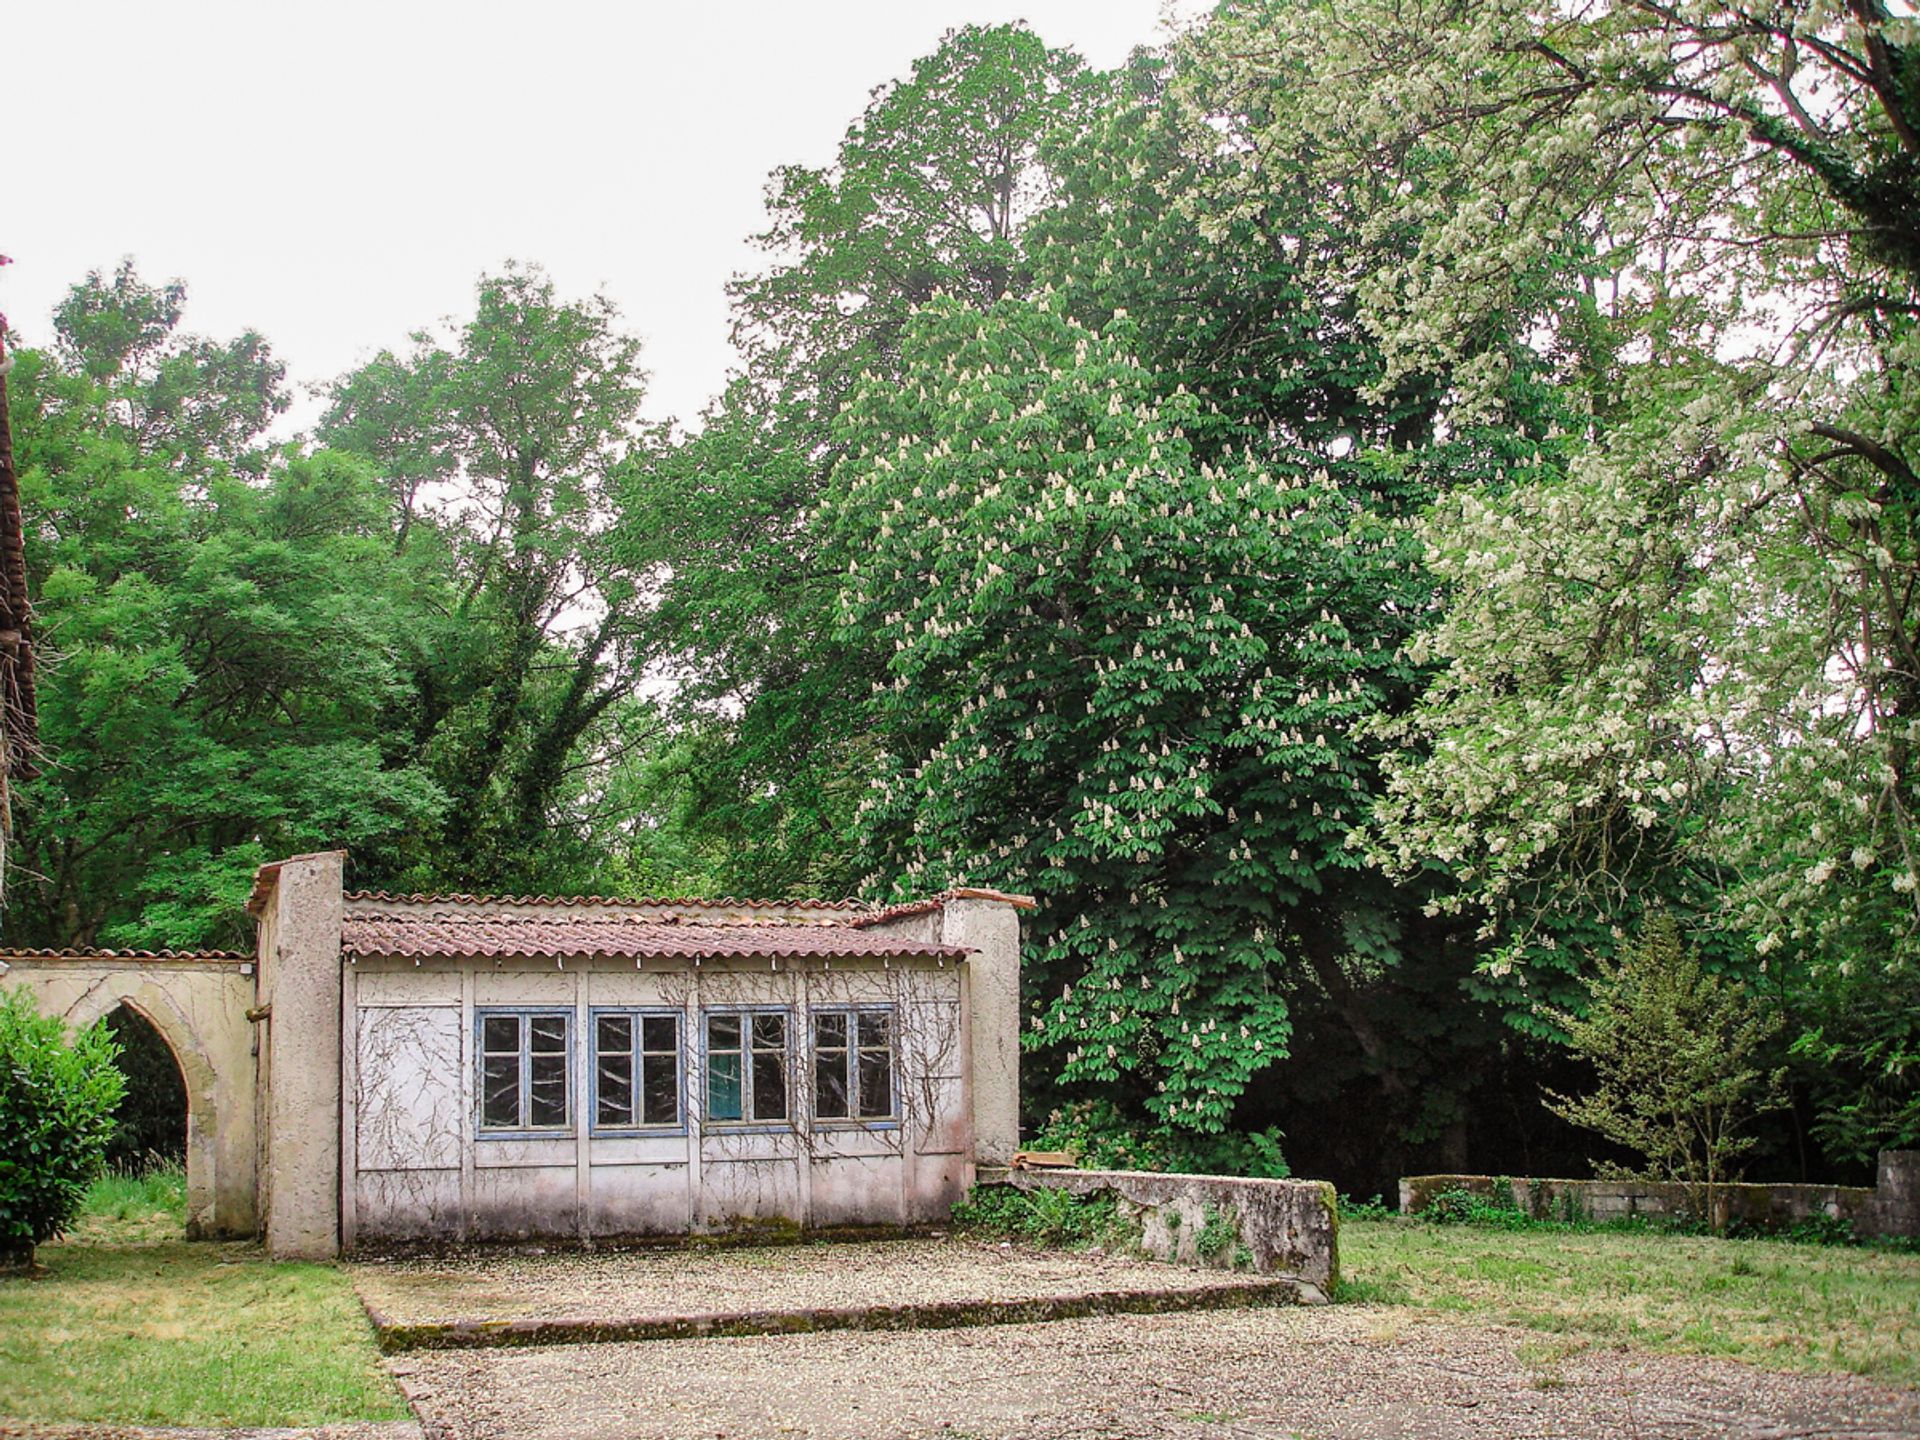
[
  {"x": 525, "y": 1060},
  {"x": 853, "y": 1066},
  {"x": 637, "y": 1076},
  {"x": 747, "y": 1055}
]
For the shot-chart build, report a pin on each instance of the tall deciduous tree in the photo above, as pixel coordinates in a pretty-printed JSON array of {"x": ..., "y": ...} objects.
[
  {"x": 1691, "y": 647},
  {"x": 226, "y": 632},
  {"x": 1121, "y": 676},
  {"x": 500, "y": 450}
]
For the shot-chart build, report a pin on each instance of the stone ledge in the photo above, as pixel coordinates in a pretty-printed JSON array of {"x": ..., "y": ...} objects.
[
  {"x": 1280, "y": 1228},
  {"x": 395, "y": 1336}
]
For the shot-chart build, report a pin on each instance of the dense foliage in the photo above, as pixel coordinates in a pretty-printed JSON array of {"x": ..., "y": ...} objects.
[
  {"x": 1355, "y": 509},
  {"x": 58, "y": 1091}
]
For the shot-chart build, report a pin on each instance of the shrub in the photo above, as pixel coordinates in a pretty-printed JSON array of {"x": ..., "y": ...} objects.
[
  {"x": 1373, "y": 1209},
  {"x": 58, "y": 1092},
  {"x": 1677, "y": 1052},
  {"x": 1043, "y": 1216},
  {"x": 1099, "y": 1138},
  {"x": 1468, "y": 1207}
]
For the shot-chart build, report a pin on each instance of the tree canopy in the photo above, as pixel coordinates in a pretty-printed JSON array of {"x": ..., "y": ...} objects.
[{"x": 1359, "y": 509}]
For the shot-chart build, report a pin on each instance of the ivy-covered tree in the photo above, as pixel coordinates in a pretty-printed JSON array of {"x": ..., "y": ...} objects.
[{"x": 500, "y": 452}]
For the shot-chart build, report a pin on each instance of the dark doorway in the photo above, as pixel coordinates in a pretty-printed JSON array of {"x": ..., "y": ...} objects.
[{"x": 153, "y": 1118}]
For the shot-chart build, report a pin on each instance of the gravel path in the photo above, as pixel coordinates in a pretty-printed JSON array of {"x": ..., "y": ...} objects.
[
  {"x": 1356, "y": 1372},
  {"x": 602, "y": 1285}
]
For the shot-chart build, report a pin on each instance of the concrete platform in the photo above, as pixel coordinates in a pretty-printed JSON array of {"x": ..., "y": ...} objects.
[{"x": 506, "y": 1298}]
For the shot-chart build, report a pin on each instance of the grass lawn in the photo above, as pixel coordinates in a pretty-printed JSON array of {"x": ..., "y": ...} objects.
[
  {"x": 130, "y": 1323},
  {"x": 1782, "y": 1305}
]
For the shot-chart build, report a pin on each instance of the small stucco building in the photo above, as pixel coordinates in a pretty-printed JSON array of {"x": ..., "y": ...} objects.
[{"x": 396, "y": 1068}]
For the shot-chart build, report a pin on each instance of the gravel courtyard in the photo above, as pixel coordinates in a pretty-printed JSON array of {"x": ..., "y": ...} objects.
[
  {"x": 1360, "y": 1372},
  {"x": 1350, "y": 1371}
]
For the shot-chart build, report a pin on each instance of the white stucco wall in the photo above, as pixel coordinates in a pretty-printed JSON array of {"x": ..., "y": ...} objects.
[{"x": 417, "y": 1166}]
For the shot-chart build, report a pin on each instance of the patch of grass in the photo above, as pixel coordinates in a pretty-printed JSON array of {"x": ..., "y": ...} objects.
[
  {"x": 1769, "y": 1302},
  {"x": 125, "y": 1207},
  {"x": 129, "y": 1323}
]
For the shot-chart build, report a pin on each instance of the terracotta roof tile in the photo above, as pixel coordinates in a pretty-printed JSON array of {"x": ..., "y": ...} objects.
[
  {"x": 722, "y": 903},
  {"x": 73, "y": 954},
  {"x": 938, "y": 902},
  {"x": 616, "y": 936}
]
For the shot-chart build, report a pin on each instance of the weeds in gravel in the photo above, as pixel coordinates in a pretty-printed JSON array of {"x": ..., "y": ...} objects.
[{"x": 1773, "y": 1303}]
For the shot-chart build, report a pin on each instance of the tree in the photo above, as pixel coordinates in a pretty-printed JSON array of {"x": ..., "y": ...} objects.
[
  {"x": 1679, "y": 1056},
  {"x": 58, "y": 1091},
  {"x": 1684, "y": 647},
  {"x": 930, "y": 193},
  {"x": 1119, "y": 676},
  {"x": 227, "y": 629},
  {"x": 500, "y": 452}
]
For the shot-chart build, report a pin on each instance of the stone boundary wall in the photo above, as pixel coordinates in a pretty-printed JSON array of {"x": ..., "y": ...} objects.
[
  {"x": 1890, "y": 1209},
  {"x": 1287, "y": 1228}
]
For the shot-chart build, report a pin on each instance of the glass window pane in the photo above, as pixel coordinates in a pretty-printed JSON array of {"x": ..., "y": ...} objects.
[
  {"x": 500, "y": 1091},
  {"x": 723, "y": 1084},
  {"x": 723, "y": 1032},
  {"x": 830, "y": 1084},
  {"x": 616, "y": 1089},
  {"x": 549, "y": 1034},
  {"x": 876, "y": 1029},
  {"x": 769, "y": 1032},
  {"x": 615, "y": 1033},
  {"x": 770, "y": 1085},
  {"x": 500, "y": 1033},
  {"x": 661, "y": 1033},
  {"x": 876, "y": 1082},
  {"x": 546, "y": 1090},
  {"x": 662, "y": 1100},
  {"x": 829, "y": 1030}
]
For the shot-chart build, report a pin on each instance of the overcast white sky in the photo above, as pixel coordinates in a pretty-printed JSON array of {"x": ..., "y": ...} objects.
[{"x": 338, "y": 175}]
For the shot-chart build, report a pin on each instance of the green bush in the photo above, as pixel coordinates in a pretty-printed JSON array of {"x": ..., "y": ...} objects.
[
  {"x": 1042, "y": 1216},
  {"x": 1468, "y": 1207},
  {"x": 1099, "y": 1138},
  {"x": 1373, "y": 1209},
  {"x": 58, "y": 1092}
]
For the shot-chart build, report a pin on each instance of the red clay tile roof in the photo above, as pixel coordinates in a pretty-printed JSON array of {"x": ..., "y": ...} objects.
[
  {"x": 618, "y": 937},
  {"x": 561, "y": 901},
  {"x": 939, "y": 902},
  {"x": 73, "y": 954}
]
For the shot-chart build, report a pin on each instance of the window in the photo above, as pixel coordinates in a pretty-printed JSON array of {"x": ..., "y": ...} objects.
[
  {"x": 523, "y": 1070},
  {"x": 636, "y": 1075},
  {"x": 747, "y": 1065},
  {"x": 853, "y": 1064}
]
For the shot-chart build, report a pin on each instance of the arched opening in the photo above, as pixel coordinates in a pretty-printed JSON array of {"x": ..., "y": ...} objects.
[{"x": 152, "y": 1120}]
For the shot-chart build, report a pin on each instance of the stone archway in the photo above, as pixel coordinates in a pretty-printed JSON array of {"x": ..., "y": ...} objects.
[{"x": 199, "y": 1005}]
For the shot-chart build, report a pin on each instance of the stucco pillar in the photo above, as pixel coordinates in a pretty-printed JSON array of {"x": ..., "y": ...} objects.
[
  {"x": 300, "y": 906},
  {"x": 988, "y": 923}
]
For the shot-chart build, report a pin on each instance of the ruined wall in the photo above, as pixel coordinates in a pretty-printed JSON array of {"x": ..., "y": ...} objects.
[
  {"x": 421, "y": 1166},
  {"x": 1273, "y": 1227},
  {"x": 199, "y": 1006},
  {"x": 1892, "y": 1208}
]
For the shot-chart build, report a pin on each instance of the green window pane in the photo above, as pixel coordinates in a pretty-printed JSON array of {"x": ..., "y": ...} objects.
[{"x": 723, "y": 1083}]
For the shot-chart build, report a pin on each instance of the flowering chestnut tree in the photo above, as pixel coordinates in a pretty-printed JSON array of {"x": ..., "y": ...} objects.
[{"x": 1125, "y": 678}]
